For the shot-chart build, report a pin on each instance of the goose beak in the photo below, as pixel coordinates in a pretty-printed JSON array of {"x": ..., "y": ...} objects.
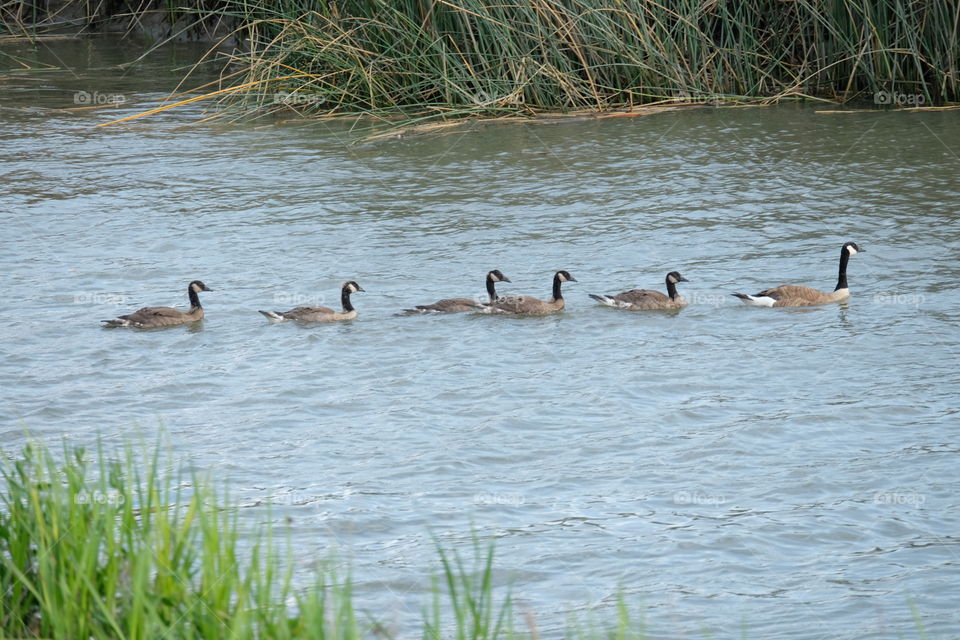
[
  {"x": 504, "y": 279},
  {"x": 207, "y": 289},
  {"x": 359, "y": 288},
  {"x": 572, "y": 279},
  {"x": 682, "y": 279}
]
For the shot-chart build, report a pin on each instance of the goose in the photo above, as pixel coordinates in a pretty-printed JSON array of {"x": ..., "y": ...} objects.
[
  {"x": 792, "y": 295},
  {"x": 321, "y": 314},
  {"x": 456, "y": 305},
  {"x": 150, "y": 317},
  {"x": 528, "y": 305},
  {"x": 647, "y": 299}
]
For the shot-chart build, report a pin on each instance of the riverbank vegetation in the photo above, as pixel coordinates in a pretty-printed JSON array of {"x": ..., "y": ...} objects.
[
  {"x": 440, "y": 59},
  {"x": 477, "y": 56}
]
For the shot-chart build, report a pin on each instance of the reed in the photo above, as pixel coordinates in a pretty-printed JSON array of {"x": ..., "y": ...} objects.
[{"x": 444, "y": 58}]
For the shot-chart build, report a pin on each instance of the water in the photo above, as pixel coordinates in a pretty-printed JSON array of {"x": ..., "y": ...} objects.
[{"x": 790, "y": 473}]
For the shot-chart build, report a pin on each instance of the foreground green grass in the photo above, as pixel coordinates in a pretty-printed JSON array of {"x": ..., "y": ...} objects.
[
  {"x": 109, "y": 546},
  {"x": 114, "y": 550}
]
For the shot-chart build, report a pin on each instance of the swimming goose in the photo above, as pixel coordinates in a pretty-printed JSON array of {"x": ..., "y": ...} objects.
[
  {"x": 792, "y": 295},
  {"x": 321, "y": 314},
  {"x": 456, "y": 305},
  {"x": 647, "y": 299},
  {"x": 150, "y": 317},
  {"x": 528, "y": 305}
]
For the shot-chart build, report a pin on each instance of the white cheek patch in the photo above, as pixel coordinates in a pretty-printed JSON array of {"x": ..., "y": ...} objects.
[{"x": 851, "y": 250}]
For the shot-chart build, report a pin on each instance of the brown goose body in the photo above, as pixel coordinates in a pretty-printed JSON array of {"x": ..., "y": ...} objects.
[
  {"x": 530, "y": 306},
  {"x": 458, "y": 305},
  {"x": 152, "y": 317},
  {"x": 321, "y": 314},
  {"x": 647, "y": 299},
  {"x": 447, "y": 305},
  {"x": 794, "y": 295}
]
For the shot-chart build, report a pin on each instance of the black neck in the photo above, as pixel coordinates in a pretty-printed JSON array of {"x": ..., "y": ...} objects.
[
  {"x": 556, "y": 287},
  {"x": 345, "y": 299},
  {"x": 194, "y": 298},
  {"x": 491, "y": 290},
  {"x": 671, "y": 288},
  {"x": 842, "y": 278}
]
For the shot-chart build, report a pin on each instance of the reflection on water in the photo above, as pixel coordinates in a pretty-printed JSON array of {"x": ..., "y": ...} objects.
[{"x": 790, "y": 470}]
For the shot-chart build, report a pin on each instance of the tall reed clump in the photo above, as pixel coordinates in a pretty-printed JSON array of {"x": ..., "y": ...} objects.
[{"x": 454, "y": 57}]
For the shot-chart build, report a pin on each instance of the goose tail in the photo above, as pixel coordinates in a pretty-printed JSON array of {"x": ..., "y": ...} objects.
[
  {"x": 604, "y": 300},
  {"x": 755, "y": 301},
  {"x": 610, "y": 301}
]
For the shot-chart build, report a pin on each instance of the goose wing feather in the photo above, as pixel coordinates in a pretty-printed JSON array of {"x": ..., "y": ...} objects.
[
  {"x": 517, "y": 304},
  {"x": 306, "y": 312},
  {"x": 639, "y": 297},
  {"x": 791, "y": 292},
  {"x": 448, "y": 305}
]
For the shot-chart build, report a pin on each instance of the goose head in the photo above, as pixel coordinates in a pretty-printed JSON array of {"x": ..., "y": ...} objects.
[
  {"x": 851, "y": 248},
  {"x": 197, "y": 286},
  {"x": 497, "y": 276}
]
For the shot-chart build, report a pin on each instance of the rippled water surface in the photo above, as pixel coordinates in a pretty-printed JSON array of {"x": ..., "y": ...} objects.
[{"x": 779, "y": 473}]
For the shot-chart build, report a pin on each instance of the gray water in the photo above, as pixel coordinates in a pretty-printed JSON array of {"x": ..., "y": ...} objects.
[{"x": 776, "y": 473}]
